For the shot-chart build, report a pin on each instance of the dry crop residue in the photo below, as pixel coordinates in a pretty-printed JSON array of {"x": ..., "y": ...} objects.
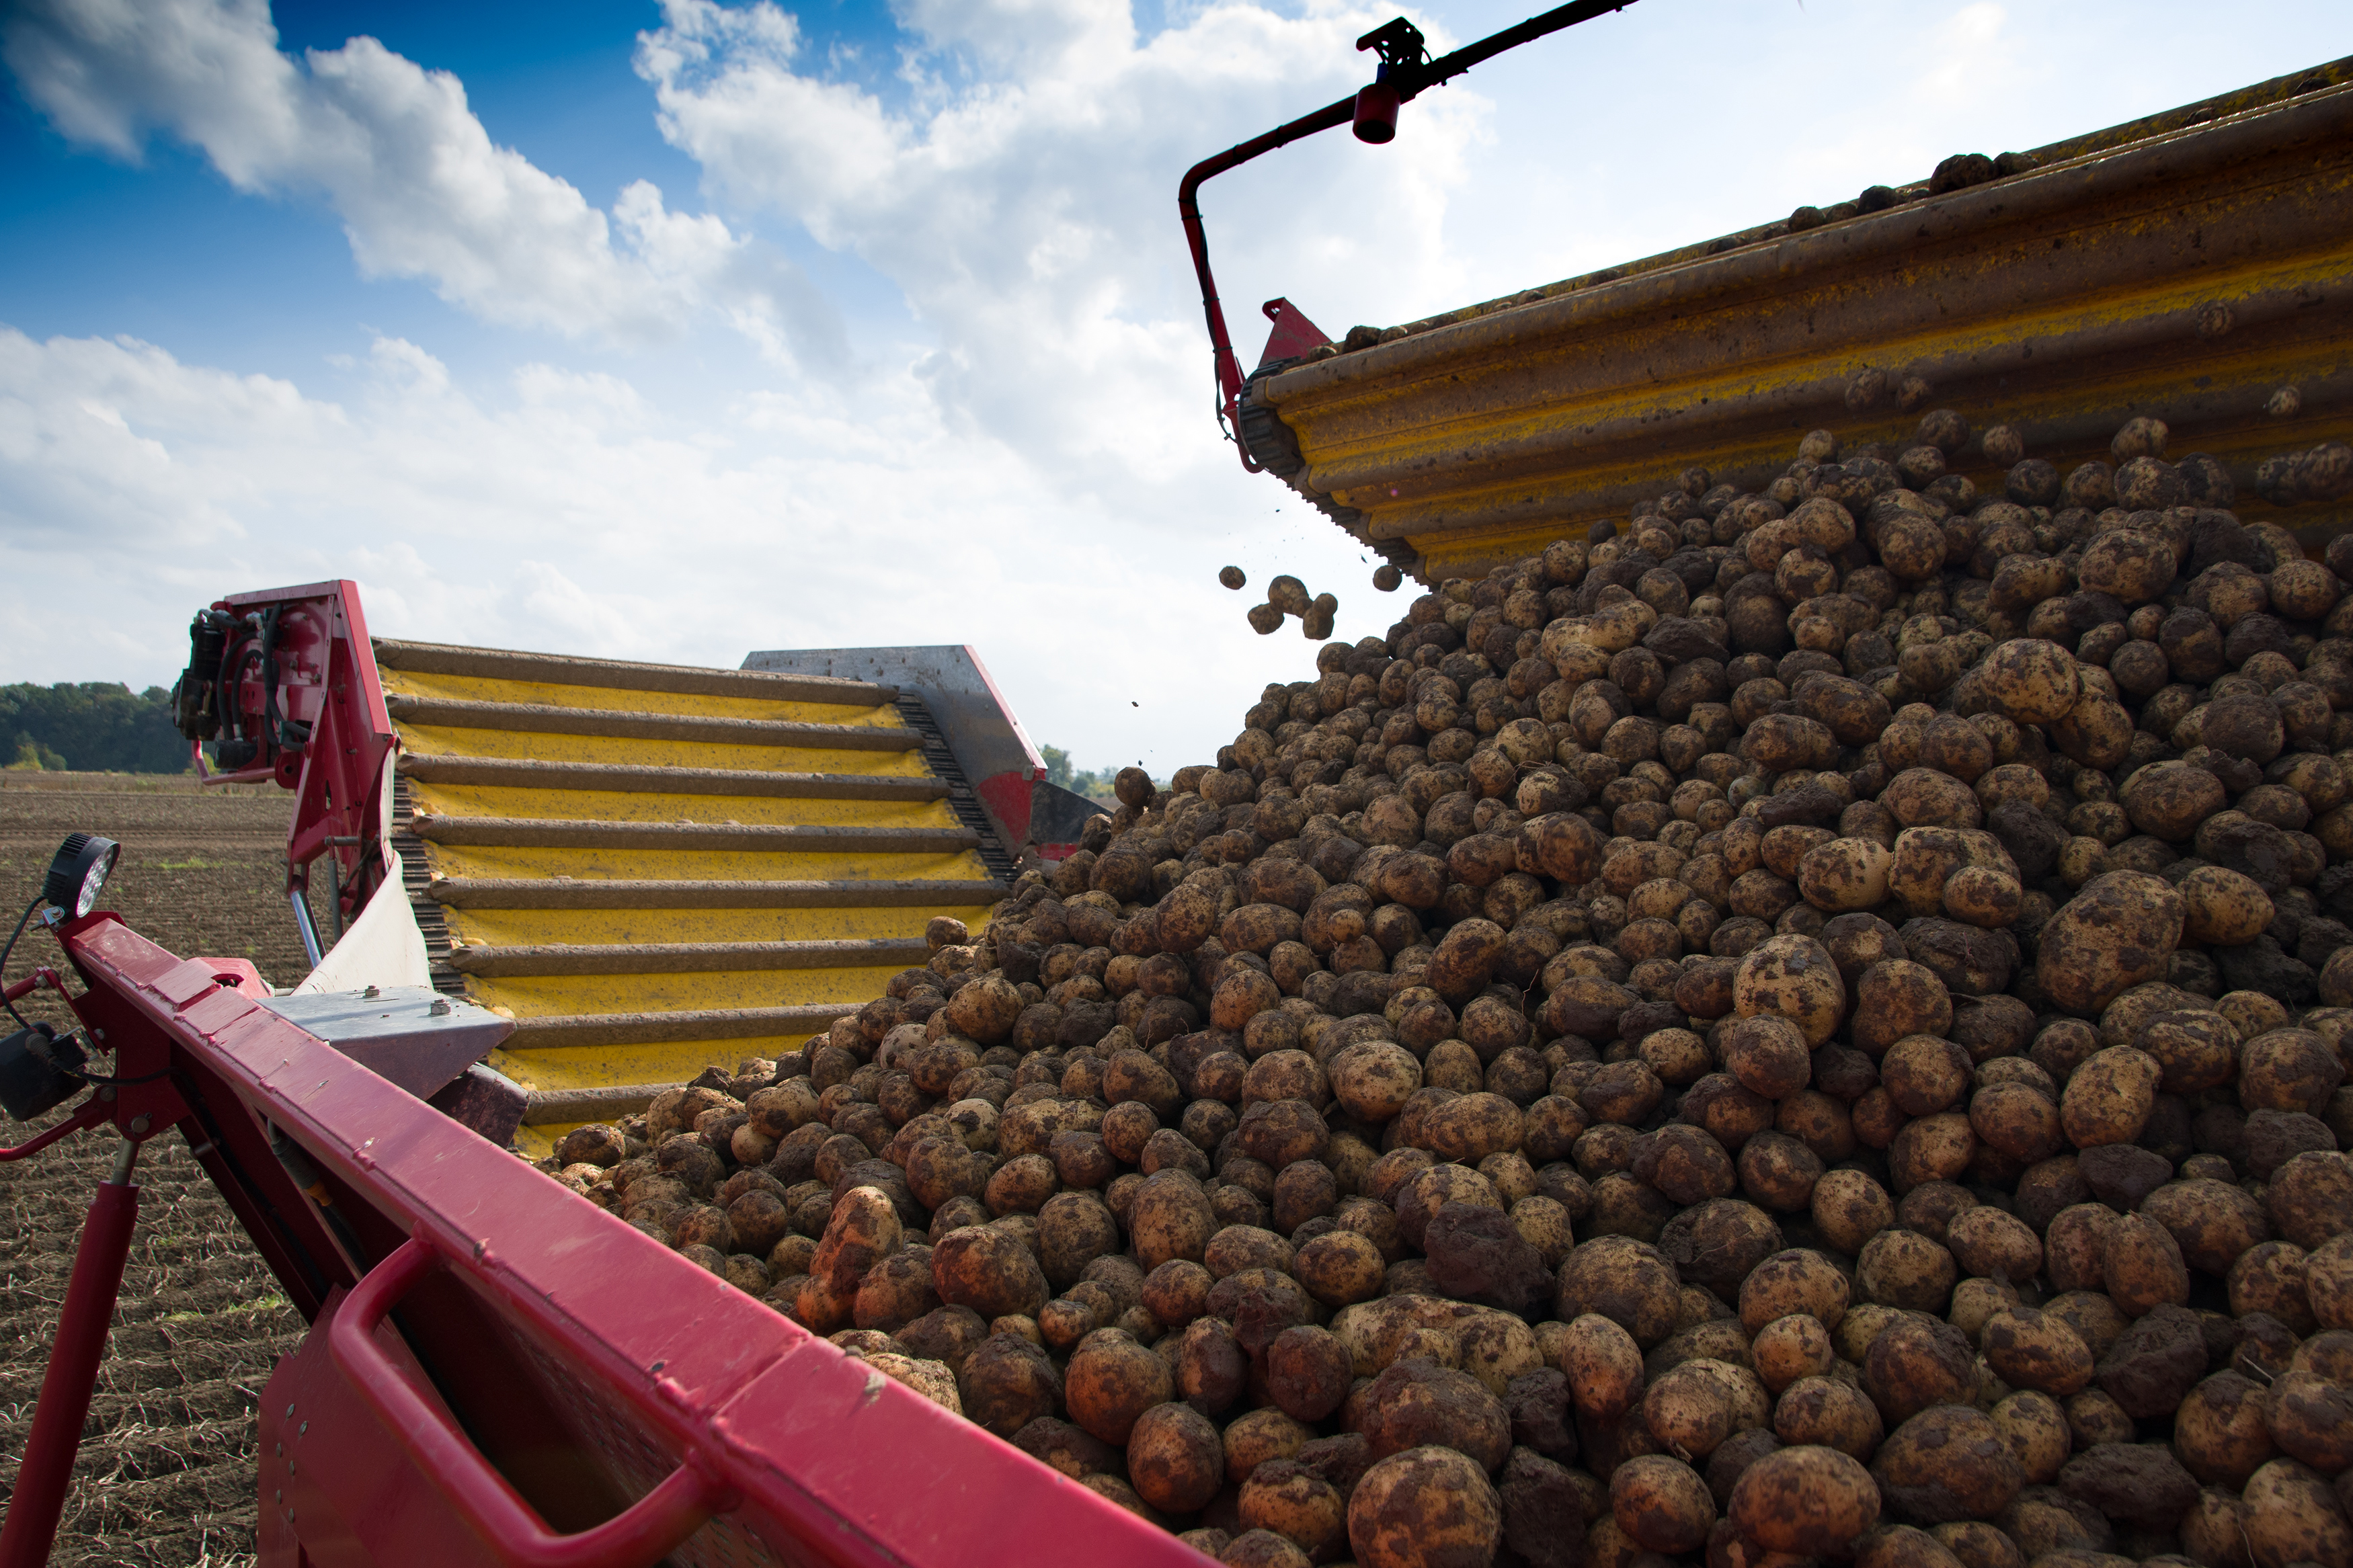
[{"x": 166, "y": 1471}]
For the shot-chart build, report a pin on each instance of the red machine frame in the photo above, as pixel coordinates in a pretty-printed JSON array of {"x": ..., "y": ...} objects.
[
  {"x": 296, "y": 682},
  {"x": 500, "y": 1372}
]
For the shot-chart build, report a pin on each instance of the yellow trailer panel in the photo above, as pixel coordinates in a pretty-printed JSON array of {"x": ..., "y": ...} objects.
[
  {"x": 2190, "y": 265},
  {"x": 652, "y": 869}
]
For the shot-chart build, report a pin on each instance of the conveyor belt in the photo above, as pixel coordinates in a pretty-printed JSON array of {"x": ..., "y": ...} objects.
[{"x": 654, "y": 868}]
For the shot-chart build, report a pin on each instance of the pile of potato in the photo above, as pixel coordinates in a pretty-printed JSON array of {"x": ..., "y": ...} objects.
[{"x": 1809, "y": 1023}]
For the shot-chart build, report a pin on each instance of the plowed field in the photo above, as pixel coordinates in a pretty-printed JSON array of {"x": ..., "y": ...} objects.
[{"x": 166, "y": 1468}]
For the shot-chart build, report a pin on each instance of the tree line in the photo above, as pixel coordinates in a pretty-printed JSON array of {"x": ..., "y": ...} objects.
[{"x": 90, "y": 726}]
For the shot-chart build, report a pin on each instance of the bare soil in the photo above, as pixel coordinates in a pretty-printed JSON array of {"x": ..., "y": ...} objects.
[{"x": 166, "y": 1471}]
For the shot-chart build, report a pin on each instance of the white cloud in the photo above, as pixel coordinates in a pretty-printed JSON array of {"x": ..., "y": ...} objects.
[
  {"x": 562, "y": 511},
  {"x": 1038, "y": 475},
  {"x": 422, "y": 190},
  {"x": 1028, "y": 212}
]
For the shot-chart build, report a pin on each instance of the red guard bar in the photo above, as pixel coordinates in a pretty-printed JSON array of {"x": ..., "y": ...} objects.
[
  {"x": 1409, "y": 77},
  {"x": 38, "y": 1498},
  {"x": 600, "y": 1390}
]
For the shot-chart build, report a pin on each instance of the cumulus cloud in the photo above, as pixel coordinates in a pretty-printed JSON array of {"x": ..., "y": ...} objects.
[
  {"x": 1024, "y": 197},
  {"x": 422, "y": 190},
  {"x": 1037, "y": 472},
  {"x": 563, "y": 510}
]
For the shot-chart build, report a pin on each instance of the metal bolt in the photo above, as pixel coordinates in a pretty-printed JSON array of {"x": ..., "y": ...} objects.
[
  {"x": 140, "y": 1125},
  {"x": 289, "y": 1413}
]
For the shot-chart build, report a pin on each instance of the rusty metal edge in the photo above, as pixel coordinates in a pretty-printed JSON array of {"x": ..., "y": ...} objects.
[
  {"x": 2054, "y": 191},
  {"x": 530, "y": 773},
  {"x": 547, "y": 1107},
  {"x": 535, "y": 832},
  {"x": 614, "y": 725},
  {"x": 622, "y": 675},
  {"x": 561, "y": 1031},
  {"x": 538, "y": 893},
  {"x": 493, "y": 962},
  {"x": 2189, "y": 117}
]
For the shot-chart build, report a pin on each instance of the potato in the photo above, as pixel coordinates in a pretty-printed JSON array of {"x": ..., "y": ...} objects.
[
  {"x": 2142, "y": 1266},
  {"x": 1424, "y": 1508},
  {"x": 1917, "y": 1363},
  {"x": 1169, "y": 1218},
  {"x": 2114, "y": 933},
  {"x": 1849, "y": 1208},
  {"x": 1006, "y": 1382},
  {"x": 1625, "y": 1281},
  {"x": 1791, "y": 977},
  {"x": 2222, "y": 907},
  {"x": 1945, "y": 1463},
  {"x": 1286, "y": 1498},
  {"x": 1604, "y": 1366},
  {"x": 986, "y": 1269},
  {"x": 2030, "y": 1350},
  {"x": 1339, "y": 1267},
  {"x": 1377, "y": 1015},
  {"x": 1904, "y": 1268},
  {"x": 1896, "y": 998},
  {"x": 1692, "y": 1406},
  {"x": 1830, "y": 1413},
  {"x": 1416, "y": 1401},
  {"x": 1794, "y": 1281},
  {"x": 2030, "y": 681},
  {"x": 2311, "y": 1420},
  {"x": 1307, "y": 1373},
  {"x": 2035, "y": 1426},
  {"x": 2292, "y": 1516},
  {"x": 1790, "y": 1348},
  {"x": 1986, "y": 1241},
  {"x": 1662, "y": 1503},
  {"x": 1259, "y": 1436},
  {"x": 1806, "y": 1501},
  {"x": 2109, "y": 1097}
]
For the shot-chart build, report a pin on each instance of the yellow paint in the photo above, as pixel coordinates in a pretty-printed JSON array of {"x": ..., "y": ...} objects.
[
  {"x": 625, "y": 805},
  {"x": 530, "y": 745},
  {"x": 1394, "y": 425},
  {"x": 521, "y": 928},
  {"x": 536, "y": 1143},
  {"x": 610, "y": 1067},
  {"x": 703, "y": 865},
  {"x": 476, "y": 689},
  {"x": 1526, "y": 423},
  {"x": 549, "y": 996},
  {"x": 844, "y": 986}
]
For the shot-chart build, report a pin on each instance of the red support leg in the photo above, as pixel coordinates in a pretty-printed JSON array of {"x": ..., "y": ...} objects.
[{"x": 39, "y": 1498}]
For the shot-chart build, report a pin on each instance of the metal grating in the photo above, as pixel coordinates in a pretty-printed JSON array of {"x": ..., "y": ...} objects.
[
  {"x": 416, "y": 878},
  {"x": 961, "y": 798}
]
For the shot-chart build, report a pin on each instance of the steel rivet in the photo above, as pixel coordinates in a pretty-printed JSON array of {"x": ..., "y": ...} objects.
[
  {"x": 305, "y": 1430},
  {"x": 289, "y": 1413}
]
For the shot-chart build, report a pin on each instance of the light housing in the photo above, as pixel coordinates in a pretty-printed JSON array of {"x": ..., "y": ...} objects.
[
  {"x": 79, "y": 874},
  {"x": 39, "y": 1071}
]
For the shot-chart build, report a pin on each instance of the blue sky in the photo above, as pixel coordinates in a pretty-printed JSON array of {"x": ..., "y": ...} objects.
[{"x": 673, "y": 332}]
